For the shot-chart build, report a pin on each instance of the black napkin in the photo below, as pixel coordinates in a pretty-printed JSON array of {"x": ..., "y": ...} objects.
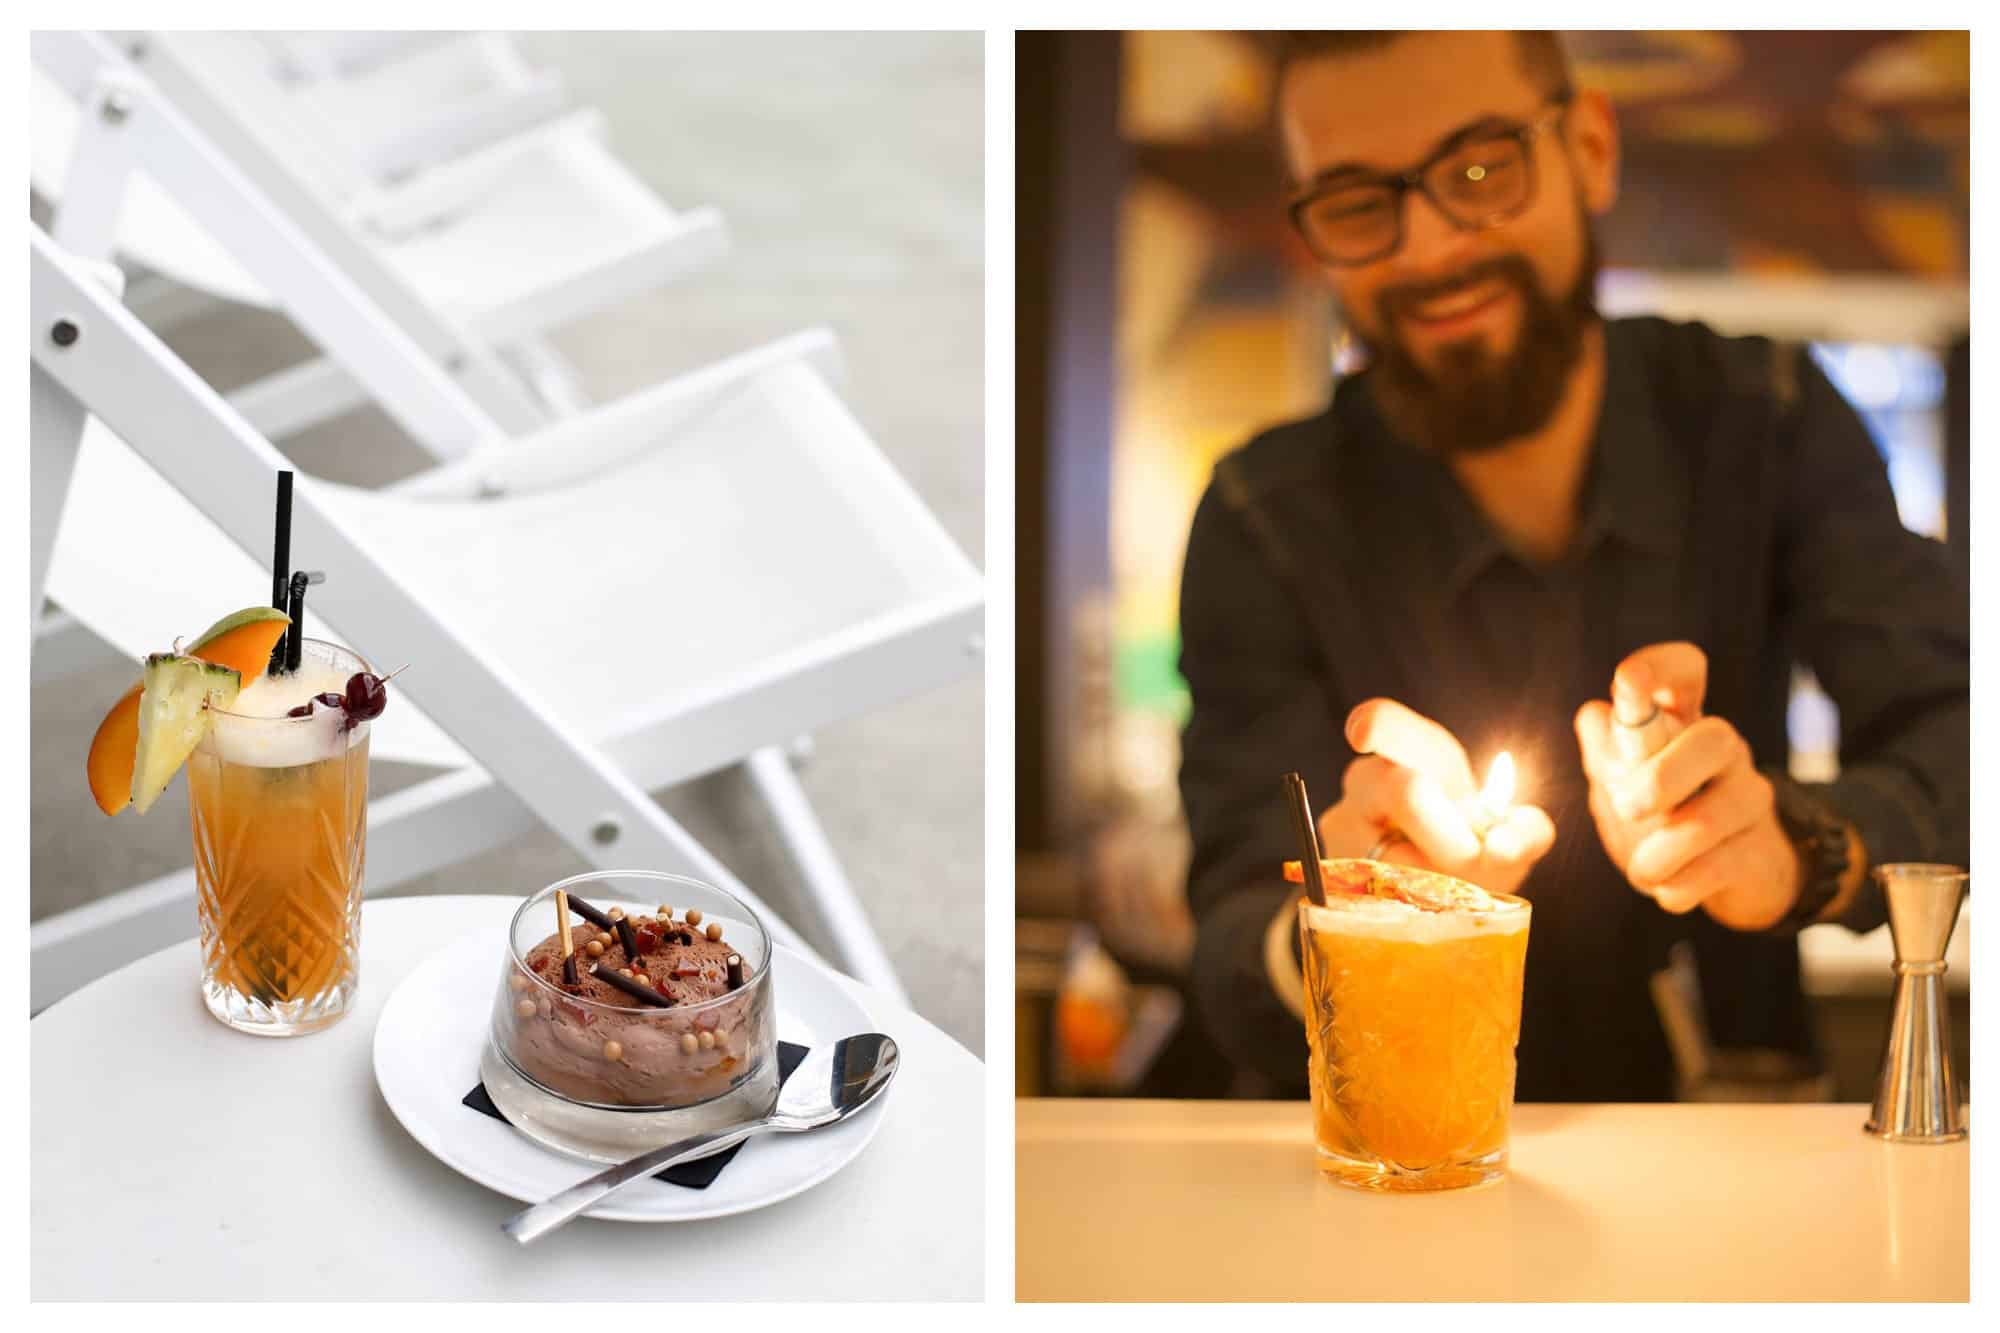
[{"x": 696, "y": 1175}]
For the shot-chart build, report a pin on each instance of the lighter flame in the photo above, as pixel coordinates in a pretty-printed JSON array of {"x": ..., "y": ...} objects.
[{"x": 1498, "y": 793}]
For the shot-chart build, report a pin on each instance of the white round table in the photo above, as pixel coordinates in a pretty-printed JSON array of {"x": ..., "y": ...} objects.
[{"x": 174, "y": 1158}]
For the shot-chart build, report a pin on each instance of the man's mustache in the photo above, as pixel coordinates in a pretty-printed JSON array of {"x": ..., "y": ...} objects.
[{"x": 1392, "y": 302}]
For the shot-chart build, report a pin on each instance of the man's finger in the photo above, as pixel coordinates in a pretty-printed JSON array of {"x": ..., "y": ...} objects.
[
  {"x": 1722, "y": 868},
  {"x": 1696, "y": 756},
  {"x": 1371, "y": 791},
  {"x": 1523, "y": 837},
  {"x": 1415, "y": 805},
  {"x": 1672, "y": 675},
  {"x": 1740, "y": 799},
  {"x": 1396, "y": 731},
  {"x": 1403, "y": 852},
  {"x": 1601, "y": 759}
]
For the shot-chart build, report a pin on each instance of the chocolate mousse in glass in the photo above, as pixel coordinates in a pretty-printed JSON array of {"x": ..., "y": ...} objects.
[{"x": 663, "y": 1025}]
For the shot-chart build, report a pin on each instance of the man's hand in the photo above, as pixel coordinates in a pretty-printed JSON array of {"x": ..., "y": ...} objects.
[
  {"x": 1413, "y": 777},
  {"x": 1694, "y": 825}
]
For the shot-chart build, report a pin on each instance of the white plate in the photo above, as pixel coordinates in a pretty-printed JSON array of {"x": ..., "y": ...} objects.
[{"x": 427, "y": 1047}]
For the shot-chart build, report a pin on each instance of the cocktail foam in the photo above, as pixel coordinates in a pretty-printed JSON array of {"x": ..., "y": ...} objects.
[
  {"x": 255, "y": 732},
  {"x": 1388, "y": 918}
]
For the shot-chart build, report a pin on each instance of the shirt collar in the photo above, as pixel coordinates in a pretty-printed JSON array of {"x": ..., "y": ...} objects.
[{"x": 1632, "y": 491}]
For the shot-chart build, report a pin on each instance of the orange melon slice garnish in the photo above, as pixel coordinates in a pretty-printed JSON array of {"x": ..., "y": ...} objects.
[{"x": 242, "y": 642}]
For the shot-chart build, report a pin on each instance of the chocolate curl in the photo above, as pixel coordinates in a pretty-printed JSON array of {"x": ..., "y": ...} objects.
[
  {"x": 603, "y": 922},
  {"x": 569, "y": 949},
  {"x": 590, "y": 914},
  {"x": 735, "y": 972},
  {"x": 632, "y": 988}
]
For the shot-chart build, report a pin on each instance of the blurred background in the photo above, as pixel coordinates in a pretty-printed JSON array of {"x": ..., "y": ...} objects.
[
  {"x": 854, "y": 202},
  {"x": 1801, "y": 185}
]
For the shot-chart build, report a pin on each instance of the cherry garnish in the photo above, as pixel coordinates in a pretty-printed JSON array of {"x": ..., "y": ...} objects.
[
  {"x": 366, "y": 697},
  {"x": 331, "y": 700}
]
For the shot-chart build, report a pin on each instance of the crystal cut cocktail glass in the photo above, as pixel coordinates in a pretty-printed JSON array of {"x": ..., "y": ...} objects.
[
  {"x": 1412, "y": 1016},
  {"x": 280, "y": 814}
]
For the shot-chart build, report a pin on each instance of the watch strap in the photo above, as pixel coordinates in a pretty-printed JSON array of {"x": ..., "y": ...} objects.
[{"x": 1820, "y": 835}]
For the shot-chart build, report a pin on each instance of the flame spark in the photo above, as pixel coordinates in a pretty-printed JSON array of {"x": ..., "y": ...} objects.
[{"x": 1498, "y": 794}]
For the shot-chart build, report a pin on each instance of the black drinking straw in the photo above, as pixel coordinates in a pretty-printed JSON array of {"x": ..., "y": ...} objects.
[
  {"x": 295, "y": 634},
  {"x": 281, "y": 562},
  {"x": 1303, "y": 825}
]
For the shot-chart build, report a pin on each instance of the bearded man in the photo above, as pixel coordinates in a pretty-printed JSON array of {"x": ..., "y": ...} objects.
[{"x": 1515, "y": 515}]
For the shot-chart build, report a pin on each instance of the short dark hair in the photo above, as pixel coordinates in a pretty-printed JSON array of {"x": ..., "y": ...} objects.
[{"x": 1540, "y": 52}]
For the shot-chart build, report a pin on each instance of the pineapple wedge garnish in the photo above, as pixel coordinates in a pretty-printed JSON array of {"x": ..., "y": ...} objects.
[{"x": 173, "y": 717}]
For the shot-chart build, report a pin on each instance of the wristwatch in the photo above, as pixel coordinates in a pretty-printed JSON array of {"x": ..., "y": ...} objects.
[{"x": 1821, "y": 837}]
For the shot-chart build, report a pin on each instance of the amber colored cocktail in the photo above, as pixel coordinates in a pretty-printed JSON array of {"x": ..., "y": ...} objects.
[
  {"x": 1412, "y": 1015},
  {"x": 280, "y": 808}
]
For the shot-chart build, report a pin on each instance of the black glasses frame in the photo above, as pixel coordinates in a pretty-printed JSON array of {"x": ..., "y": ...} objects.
[{"x": 1416, "y": 178}]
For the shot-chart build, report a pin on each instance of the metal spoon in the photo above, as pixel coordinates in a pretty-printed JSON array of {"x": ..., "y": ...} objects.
[{"x": 832, "y": 1084}]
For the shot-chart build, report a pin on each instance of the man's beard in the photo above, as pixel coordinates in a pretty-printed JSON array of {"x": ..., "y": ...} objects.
[{"x": 1476, "y": 400}]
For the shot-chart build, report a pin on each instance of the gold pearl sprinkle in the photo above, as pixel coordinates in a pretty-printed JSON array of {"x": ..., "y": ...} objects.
[
  {"x": 518, "y": 982},
  {"x": 525, "y": 1009},
  {"x": 714, "y": 930},
  {"x": 595, "y": 949},
  {"x": 694, "y": 916},
  {"x": 612, "y": 1050},
  {"x": 708, "y": 1041},
  {"x": 689, "y": 1043}
]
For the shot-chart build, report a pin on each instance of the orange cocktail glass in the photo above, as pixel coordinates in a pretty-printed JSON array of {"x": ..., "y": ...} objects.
[
  {"x": 280, "y": 813},
  {"x": 1413, "y": 1009}
]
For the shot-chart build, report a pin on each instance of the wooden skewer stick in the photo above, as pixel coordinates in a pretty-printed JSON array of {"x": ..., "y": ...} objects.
[{"x": 568, "y": 948}]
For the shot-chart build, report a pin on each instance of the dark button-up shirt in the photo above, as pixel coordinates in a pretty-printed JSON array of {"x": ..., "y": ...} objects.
[{"x": 1734, "y": 500}]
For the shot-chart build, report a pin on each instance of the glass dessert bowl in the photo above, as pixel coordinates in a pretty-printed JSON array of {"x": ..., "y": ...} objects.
[{"x": 666, "y": 1027}]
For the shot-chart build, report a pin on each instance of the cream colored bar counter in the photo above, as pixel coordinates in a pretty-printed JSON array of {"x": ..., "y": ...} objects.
[{"x": 1129, "y": 1200}]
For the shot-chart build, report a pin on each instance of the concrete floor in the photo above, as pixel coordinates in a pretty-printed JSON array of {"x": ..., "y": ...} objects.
[{"x": 850, "y": 170}]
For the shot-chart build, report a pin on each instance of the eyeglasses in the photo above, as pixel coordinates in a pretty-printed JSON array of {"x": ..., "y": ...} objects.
[{"x": 1474, "y": 182}]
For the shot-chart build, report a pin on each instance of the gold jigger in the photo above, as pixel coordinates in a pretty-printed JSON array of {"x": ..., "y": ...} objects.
[{"x": 1916, "y": 1095}]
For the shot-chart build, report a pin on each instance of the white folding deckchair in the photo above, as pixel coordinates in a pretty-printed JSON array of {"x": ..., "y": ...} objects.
[
  {"x": 418, "y": 106},
  {"x": 746, "y": 694},
  {"x": 664, "y": 586},
  {"x": 474, "y": 257},
  {"x": 300, "y": 55}
]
